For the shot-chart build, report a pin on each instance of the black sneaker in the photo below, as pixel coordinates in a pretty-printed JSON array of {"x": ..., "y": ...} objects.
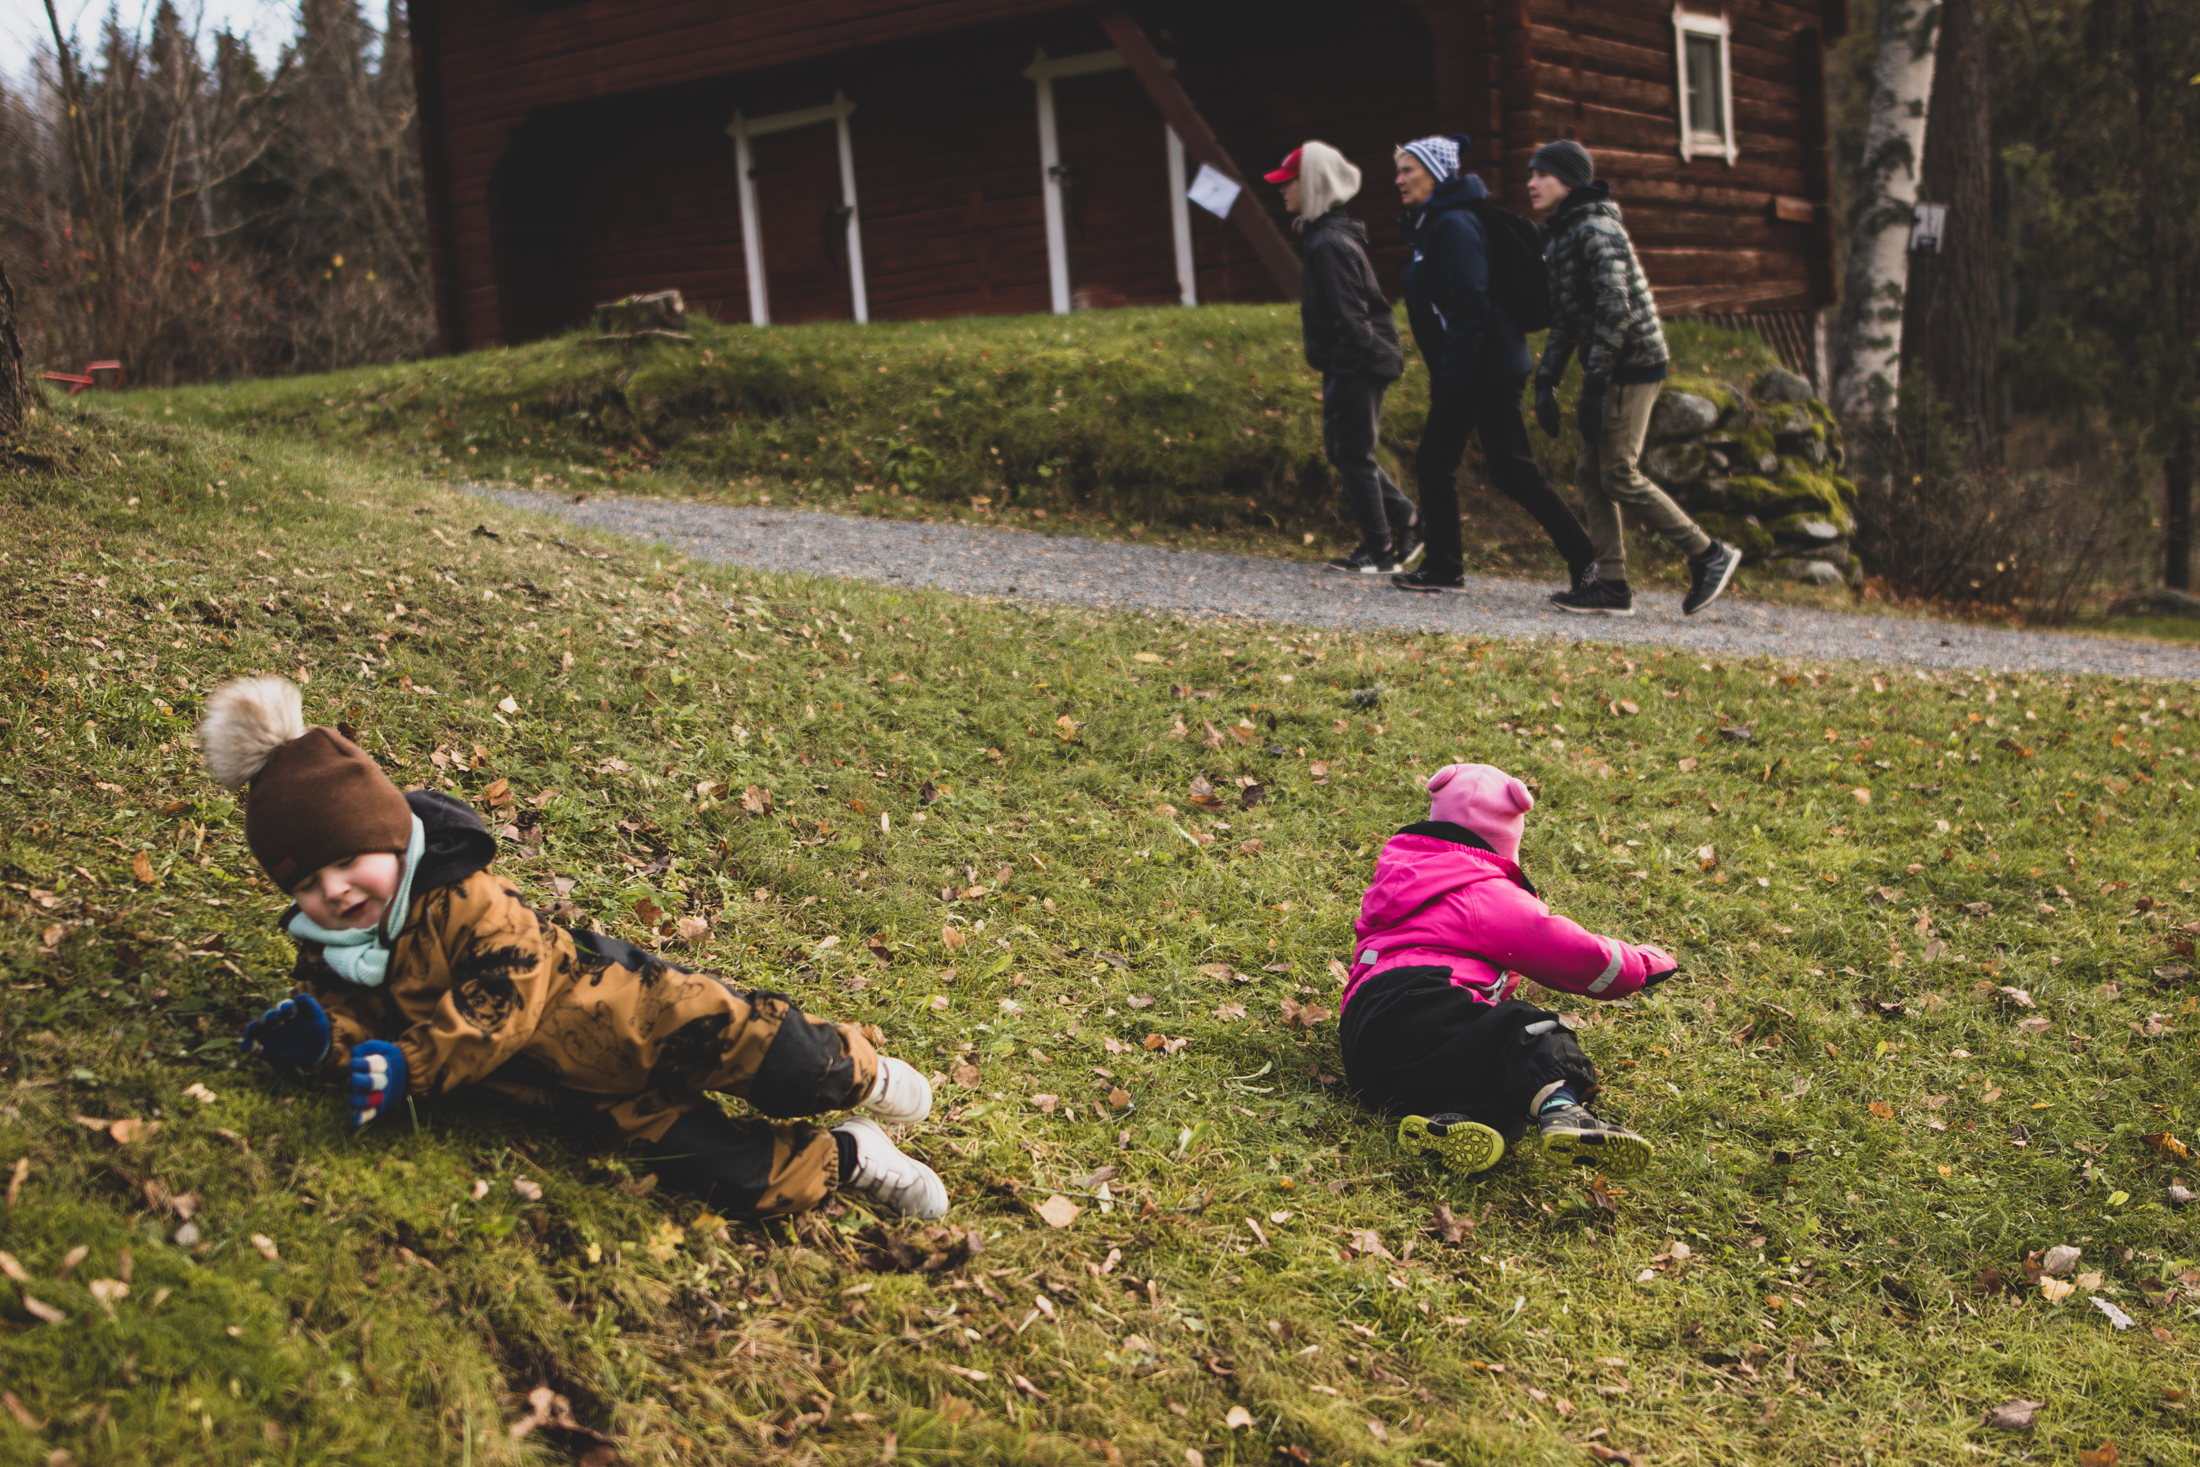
[
  {"x": 1571, "y": 1133},
  {"x": 1367, "y": 562},
  {"x": 1460, "y": 1144},
  {"x": 1425, "y": 579},
  {"x": 1708, "y": 576},
  {"x": 1592, "y": 596},
  {"x": 1412, "y": 541}
]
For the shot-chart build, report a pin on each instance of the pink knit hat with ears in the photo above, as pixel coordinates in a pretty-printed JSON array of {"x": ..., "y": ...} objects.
[{"x": 1484, "y": 799}]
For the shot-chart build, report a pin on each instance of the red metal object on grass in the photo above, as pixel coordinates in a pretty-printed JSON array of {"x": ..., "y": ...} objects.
[{"x": 89, "y": 377}]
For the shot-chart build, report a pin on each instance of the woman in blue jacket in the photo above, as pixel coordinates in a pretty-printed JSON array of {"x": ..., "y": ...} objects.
[{"x": 1477, "y": 361}]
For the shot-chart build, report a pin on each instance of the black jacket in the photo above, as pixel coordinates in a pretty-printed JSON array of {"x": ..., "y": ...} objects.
[
  {"x": 1462, "y": 333},
  {"x": 1342, "y": 312}
]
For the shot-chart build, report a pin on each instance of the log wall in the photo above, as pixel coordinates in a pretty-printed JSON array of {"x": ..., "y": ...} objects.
[{"x": 577, "y": 152}]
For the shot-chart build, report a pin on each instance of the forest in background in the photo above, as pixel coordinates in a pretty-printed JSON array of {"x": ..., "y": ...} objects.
[{"x": 167, "y": 200}]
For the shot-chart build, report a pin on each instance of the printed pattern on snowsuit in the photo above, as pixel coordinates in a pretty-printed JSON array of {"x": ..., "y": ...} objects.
[{"x": 483, "y": 991}]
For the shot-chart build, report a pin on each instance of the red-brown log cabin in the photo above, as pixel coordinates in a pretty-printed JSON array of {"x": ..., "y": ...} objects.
[{"x": 795, "y": 160}]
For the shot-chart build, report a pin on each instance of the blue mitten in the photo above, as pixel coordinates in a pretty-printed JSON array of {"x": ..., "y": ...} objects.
[
  {"x": 294, "y": 1032},
  {"x": 377, "y": 1078}
]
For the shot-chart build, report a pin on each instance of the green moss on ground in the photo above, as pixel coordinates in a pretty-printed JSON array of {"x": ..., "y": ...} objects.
[{"x": 1838, "y": 1081}]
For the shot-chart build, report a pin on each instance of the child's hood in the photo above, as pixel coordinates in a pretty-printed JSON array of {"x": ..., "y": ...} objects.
[
  {"x": 1427, "y": 861},
  {"x": 458, "y": 843}
]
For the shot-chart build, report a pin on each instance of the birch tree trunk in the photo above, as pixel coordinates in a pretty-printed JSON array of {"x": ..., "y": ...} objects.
[{"x": 1868, "y": 367}]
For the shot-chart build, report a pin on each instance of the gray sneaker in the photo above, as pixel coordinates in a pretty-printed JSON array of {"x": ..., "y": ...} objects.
[{"x": 1571, "y": 1133}]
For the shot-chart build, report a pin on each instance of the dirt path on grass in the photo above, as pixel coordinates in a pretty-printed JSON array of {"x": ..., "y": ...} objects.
[{"x": 1022, "y": 563}]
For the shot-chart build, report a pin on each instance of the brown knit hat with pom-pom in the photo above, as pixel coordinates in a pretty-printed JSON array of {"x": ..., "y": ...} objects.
[{"x": 315, "y": 796}]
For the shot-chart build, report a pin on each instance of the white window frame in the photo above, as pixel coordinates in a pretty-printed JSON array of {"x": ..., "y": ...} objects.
[
  {"x": 1688, "y": 23},
  {"x": 743, "y": 128},
  {"x": 1043, "y": 72}
]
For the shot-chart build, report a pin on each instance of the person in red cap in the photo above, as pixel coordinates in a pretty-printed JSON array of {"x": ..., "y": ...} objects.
[{"x": 1352, "y": 341}]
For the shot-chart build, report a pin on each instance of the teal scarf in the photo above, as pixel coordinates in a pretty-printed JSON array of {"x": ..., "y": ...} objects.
[{"x": 361, "y": 955}]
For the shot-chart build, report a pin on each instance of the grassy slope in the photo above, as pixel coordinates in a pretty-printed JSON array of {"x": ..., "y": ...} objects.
[
  {"x": 1204, "y": 419},
  {"x": 1828, "y": 1309}
]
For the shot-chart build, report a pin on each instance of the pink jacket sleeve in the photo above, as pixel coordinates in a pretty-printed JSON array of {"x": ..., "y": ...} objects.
[{"x": 1516, "y": 931}]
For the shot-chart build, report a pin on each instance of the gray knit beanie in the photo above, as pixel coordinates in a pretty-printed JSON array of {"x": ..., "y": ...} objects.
[{"x": 1565, "y": 160}]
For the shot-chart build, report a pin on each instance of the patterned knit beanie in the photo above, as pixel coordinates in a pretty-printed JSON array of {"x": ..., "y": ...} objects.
[
  {"x": 1439, "y": 155},
  {"x": 315, "y": 798}
]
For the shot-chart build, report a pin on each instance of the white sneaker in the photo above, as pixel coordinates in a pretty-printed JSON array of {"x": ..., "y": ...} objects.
[
  {"x": 895, "y": 1182},
  {"x": 900, "y": 1096}
]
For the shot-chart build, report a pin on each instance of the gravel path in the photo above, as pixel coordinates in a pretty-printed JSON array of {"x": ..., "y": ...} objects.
[{"x": 1002, "y": 562}]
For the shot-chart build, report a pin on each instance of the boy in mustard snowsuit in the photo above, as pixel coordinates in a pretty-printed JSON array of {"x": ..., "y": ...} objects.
[{"x": 420, "y": 971}]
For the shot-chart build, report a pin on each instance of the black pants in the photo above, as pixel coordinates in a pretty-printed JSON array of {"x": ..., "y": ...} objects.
[
  {"x": 1491, "y": 410},
  {"x": 1414, "y": 1043},
  {"x": 1352, "y": 413}
]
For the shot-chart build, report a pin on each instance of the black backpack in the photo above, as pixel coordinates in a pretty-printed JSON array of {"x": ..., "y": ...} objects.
[{"x": 1520, "y": 278}]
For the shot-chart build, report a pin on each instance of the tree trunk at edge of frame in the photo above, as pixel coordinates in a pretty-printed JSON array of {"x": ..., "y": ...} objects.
[{"x": 1951, "y": 312}]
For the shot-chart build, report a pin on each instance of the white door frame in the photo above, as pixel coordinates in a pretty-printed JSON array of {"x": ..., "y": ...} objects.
[
  {"x": 743, "y": 128},
  {"x": 1043, "y": 72}
]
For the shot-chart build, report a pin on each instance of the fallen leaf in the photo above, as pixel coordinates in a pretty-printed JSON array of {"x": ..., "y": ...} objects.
[
  {"x": 106, "y": 1291},
  {"x": 1303, "y": 1015},
  {"x": 2056, "y": 1290},
  {"x": 141, "y": 866},
  {"x": 2060, "y": 1259},
  {"x": 266, "y": 1247},
  {"x": 647, "y": 912},
  {"x": 1058, "y": 1211},
  {"x": 1229, "y": 1011},
  {"x": 2116, "y": 1317},
  {"x": 1119, "y": 1097},
  {"x": 40, "y": 1309},
  {"x": 2104, "y": 1455},
  {"x": 693, "y": 929},
  {"x": 199, "y": 1093},
  {"x": 756, "y": 801},
  {"x": 1065, "y": 729},
  {"x": 1237, "y": 1418},
  {"x": 1203, "y": 794},
  {"x": 508, "y": 705},
  {"x": 499, "y": 793},
  {"x": 2168, "y": 1145},
  {"x": 126, "y": 1131},
  {"x": 1882, "y": 1110},
  {"x": 13, "y": 1267},
  {"x": 2013, "y": 1415},
  {"x": 1140, "y": 1001},
  {"x": 527, "y": 1189},
  {"x": 21, "y": 1413}
]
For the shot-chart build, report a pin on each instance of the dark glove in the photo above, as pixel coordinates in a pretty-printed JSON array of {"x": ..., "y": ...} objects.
[
  {"x": 1656, "y": 978},
  {"x": 1546, "y": 408},
  {"x": 294, "y": 1032},
  {"x": 377, "y": 1078},
  {"x": 1589, "y": 414}
]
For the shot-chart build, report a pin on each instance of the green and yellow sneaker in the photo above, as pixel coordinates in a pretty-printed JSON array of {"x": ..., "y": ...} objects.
[
  {"x": 1571, "y": 1133},
  {"x": 1462, "y": 1145}
]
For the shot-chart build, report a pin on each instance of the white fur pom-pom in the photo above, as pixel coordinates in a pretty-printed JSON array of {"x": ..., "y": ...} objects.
[{"x": 245, "y": 722}]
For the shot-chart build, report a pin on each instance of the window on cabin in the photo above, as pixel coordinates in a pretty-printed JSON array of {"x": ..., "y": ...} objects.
[
  {"x": 1704, "y": 85},
  {"x": 1706, "y": 90}
]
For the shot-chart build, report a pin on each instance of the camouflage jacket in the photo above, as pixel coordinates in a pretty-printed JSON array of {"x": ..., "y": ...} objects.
[{"x": 1600, "y": 301}]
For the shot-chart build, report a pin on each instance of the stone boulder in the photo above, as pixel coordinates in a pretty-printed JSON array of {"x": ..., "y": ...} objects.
[{"x": 1760, "y": 469}]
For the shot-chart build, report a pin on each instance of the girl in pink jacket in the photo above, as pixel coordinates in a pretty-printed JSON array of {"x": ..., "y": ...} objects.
[{"x": 1430, "y": 1026}]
